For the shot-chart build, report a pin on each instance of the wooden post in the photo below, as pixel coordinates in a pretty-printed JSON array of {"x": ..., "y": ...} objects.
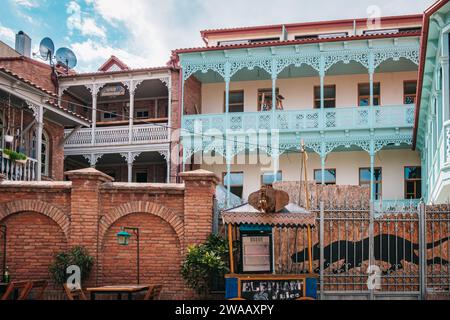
[
  {"x": 230, "y": 244},
  {"x": 310, "y": 250}
]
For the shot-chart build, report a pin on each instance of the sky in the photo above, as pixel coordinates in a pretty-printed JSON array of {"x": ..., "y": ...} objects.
[{"x": 142, "y": 33}]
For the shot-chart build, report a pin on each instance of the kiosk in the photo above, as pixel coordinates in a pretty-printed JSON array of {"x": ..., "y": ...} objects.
[{"x": 251, "y": 227}]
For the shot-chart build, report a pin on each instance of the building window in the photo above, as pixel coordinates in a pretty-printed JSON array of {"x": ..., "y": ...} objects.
[
  {"x": 109, "y": 116},
  {"x": 413, "y": 182},
  {"x": 265, "y": 99},
  {"x": 364, "y": 180},
  {"x": 364, "y": 94},
  {"x": 329, "y": 96},
  {"x": 141, "y": 176},
  {"x": 236, "y": 102},
  {"x": 409, "y": 92},
  {"x": 142, "y": 114},
  {"x": 330, "y": 176},
  {"x": 269, "y": 178},
  {"x": 237, "y": 183},
  {"x": 45, "y": 152}
]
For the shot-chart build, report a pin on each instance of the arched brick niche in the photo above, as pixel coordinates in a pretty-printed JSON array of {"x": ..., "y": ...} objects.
[
  {"x": 160, "y": 258},
  {"x": 33, "y": 240}
]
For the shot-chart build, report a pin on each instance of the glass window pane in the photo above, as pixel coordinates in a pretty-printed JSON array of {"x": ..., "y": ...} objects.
[
  {"x": 237, "y": 97},
  {"x": 330, "y": 176},
  {"x": 410, "y": 87},
  {"x": 268, "y": 178},
  {"x": 413, "y": 173},
  {"x": 237, "y": 179}
]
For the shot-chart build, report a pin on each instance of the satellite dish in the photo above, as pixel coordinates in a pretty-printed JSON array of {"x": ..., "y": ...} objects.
[
  {"x": 66, "y": 58},
  {"x": 47, "y": 49}
]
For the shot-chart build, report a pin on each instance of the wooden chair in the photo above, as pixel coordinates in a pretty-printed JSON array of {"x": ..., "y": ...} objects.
[
  {"x": 74, "y": 294},
  {"x": 153, "y": 293},
  {"x": 40, "y": 287},
  {"x": 22, "y": 287}
]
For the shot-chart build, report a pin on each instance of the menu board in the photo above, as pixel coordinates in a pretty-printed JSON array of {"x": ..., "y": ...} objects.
[
  {"x": 256, "y": 253},
  {"x": 272, "y": 289}
]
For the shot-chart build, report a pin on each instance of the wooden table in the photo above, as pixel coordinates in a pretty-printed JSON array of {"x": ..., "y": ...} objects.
[{"x": 128, "y": 290}]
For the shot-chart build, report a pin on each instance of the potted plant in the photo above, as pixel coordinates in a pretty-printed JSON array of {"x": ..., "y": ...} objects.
[
  {"x": 22, "y": 158},
  {"x": 14, "y": 156},
  {"x": 6, "y": 153},
  {"x": 77, "y": 256},
  {"x": 204, "y": 263}
]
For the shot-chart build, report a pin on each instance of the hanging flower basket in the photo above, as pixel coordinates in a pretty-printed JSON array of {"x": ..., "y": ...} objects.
[
  {"x": 9, "y": 139},
  {"x": 5, "y": 155}
]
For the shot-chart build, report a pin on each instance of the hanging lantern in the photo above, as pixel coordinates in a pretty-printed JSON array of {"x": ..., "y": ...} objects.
[{"x": 123, "y": 238}]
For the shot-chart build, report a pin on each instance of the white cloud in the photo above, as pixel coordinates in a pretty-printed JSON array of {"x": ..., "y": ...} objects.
[
  {"x": 7, "y": 35},
  {"x": 91, "y": 55},
  {"x": 26, "y": 3},
  {"x": 86, "y": 25},
  {"x": 156, "y": 27}
]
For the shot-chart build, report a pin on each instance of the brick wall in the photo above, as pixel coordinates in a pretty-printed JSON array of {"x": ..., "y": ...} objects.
[
  {"x": 46, "y": 217},
  {"x": 34, "y": 71}
]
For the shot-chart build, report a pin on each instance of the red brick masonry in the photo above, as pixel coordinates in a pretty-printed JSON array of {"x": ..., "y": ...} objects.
[{"x": 44, "y": 218}]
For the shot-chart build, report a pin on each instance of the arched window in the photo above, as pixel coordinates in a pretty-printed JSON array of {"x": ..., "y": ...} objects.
[{"x": 45, "y": 152}]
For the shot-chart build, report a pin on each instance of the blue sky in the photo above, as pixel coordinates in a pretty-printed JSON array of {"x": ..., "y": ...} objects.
[{"x": 143, "y": 32}]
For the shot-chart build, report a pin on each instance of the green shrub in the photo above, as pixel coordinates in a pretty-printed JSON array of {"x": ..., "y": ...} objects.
[
  {"x": 204, "y": 262},
  {"x": 77, "y": 256}
]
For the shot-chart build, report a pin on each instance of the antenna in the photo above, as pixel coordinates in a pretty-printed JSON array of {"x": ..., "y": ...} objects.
[
  {"x": 47, "y": 49},
  {"x": 66, "y": 58}
]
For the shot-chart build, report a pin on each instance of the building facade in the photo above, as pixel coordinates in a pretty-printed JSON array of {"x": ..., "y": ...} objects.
[
  {"x": 31, "y": 121},
  {"x": 432, "y": 132},
  {"x": 131, "y": 115},
  {"x": 346, "y": 89}
]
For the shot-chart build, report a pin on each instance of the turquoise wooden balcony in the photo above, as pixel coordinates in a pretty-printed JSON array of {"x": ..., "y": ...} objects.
[{"x": 311, "y": 120}]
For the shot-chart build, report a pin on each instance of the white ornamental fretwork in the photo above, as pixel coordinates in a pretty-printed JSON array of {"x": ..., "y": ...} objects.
[
  {"x": 132, "y": 85},
  {"x": 92, "y": 158},
  {"x": 33, "y": 107},
  {"x": 448, "y": 144},
  {"x": 130, "y": 157},
  {"x": 94, "y": 88}
]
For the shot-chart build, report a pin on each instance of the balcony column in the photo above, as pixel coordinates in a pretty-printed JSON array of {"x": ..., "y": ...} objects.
[
  {"x": 444, "y": 88},
  {"x": 227, "y": 127},
  {"x": 130, "y": 157},
  {"x": 372, "y": 169},
  {"x": 371, "y": 78},
  {"x": 322, "y": 161},
  {"x": 322, "y": 82},
  {"x": 38, "y": 112},
  {"x": 274, "y": 135},
  {"x": 131, "y": 89},
  {"x": 94, "y": 90},
  {"x": 181, "y": 103}
]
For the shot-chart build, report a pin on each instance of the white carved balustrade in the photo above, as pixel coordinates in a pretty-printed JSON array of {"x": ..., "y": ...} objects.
[
  {"x": 108, "y": 136},
  {"x": 16, "y": 171}
]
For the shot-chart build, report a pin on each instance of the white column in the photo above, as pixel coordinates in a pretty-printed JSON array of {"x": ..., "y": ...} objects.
[
  {"x": 322, "y": 91},
  {"x": 168, "y": 160},
  {"x": 94, "y": 112},
  {"x": 131, "y": 116},
  {"x": 445, "y": 85},
  {"x": 39, "y": 132}
]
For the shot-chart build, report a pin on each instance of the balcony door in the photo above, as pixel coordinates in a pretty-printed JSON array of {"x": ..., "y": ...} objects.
[{"x": 329, "y": 96}]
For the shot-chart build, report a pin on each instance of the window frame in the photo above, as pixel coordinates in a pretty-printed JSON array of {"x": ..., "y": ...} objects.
[
  {"x": 375, "y": 96},
  {"x": 233, "y": 104},
  {"x": 378, "y": 195},
  {"x": 325, "y": 99},
  {"x": 280, "y": 172},
  {"x": 224, "y": 174},
  {"x": 259, "y": 93},
  {"x": 408, "y": 95},
  {"x": 320, "y": 171},
  {"x": 405, "y": 181}
]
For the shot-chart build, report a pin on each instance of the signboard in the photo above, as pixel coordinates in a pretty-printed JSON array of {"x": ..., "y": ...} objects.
[
  {"x": 256, "y": 253},
  {"x": 272, "y": 289},
  {"x": 113, "y": 91}
]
